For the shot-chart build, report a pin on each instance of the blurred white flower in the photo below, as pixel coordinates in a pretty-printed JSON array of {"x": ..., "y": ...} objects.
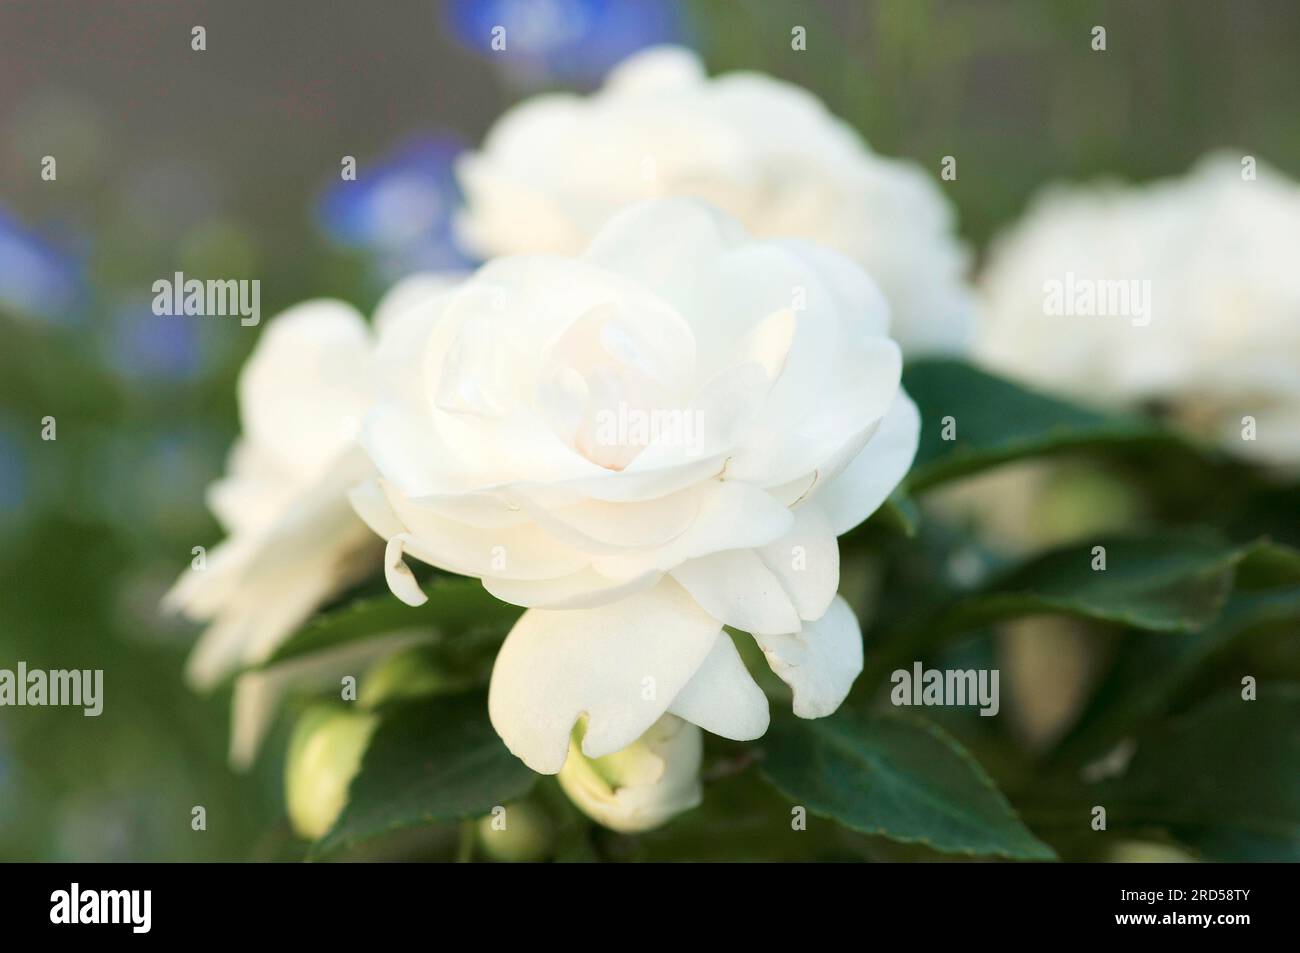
[
  {"x": 642, "y": 786},
  {"x": 1182, "y": 294},
  {"x": 293, "y": 540},
  {"x": 555, "y": 168},
  {"x": 642, "y": 444}
]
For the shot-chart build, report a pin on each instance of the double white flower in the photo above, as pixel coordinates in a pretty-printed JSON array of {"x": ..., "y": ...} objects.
[
  {"x": 555, "y": 168},
  {"x": 647, "y": 428},
  {"x": 633, "y": 555}
]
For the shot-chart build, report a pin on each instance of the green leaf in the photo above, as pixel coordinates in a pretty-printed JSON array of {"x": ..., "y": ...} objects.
[
  {"x": 897, "y": 777},
  {"x": 742, "y": 820},
  {"x": 1173, "y": 584},
  {"x": 997, "y": 421},
  {"x": 1150, "y": 672},
  {"x": 455, "y": 605},
  {"x": 1269, "y": 564},
  {"x": 436, "y": 760},
  {"x": 1163, "y": 584},
  {"x": 1222, "y": 777}
]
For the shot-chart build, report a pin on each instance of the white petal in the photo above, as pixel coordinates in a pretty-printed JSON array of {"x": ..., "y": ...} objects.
[
  {"x": 737, "y": 588},
  {"x": 732, "y": 515},
  {"x": 410, "y": 296},
  {"x": 722, "y": 697},
  {"x": 525, "y": 551},
  {"x": 807, "y": 561},
  {"x": 820, "y": 661},
  {"x": 584, "y": 589},
  {"x": 601, "y": 526},
  {"x": 303, "y": 392},
  {"x": 656, "y": 69},
  {"x": 881, "y": 465},
  {"x": 369, "y": 502},
  {"x": 398, "y": 575},
  {"x": 620, "y": 664},
  {"x": 400, "y": 443}
]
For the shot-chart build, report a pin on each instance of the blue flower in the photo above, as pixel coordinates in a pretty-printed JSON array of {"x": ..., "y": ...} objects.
[
  {"x": 400, "y": 207},
  {"x": 147, "y": 346},
  {"x": 37, "y": 279},
  {"x": 563, "y": 39}
]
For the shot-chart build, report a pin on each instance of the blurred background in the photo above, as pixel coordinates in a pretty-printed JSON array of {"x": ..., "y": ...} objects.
[{"x": 226, "y": 162}]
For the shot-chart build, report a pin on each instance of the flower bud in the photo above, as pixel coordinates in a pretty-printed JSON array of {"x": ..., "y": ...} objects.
[
  {"x": 518, "y": 832},
  {"x": 644, "y": 785},
  {"x": 324, "y": 756},
  {"x": 1148, "y": 852}
]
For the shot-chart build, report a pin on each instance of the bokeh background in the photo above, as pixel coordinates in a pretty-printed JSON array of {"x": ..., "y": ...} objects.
[{"x": 226, "y": 163}]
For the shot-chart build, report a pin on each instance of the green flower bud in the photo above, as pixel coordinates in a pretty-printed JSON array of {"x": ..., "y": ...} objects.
[
  {"x": 324, "y": 756},
  {"x": 643, "y": 786},
  {"x": 1148, "y": 852},
  {"x": 517, "y": 832}
]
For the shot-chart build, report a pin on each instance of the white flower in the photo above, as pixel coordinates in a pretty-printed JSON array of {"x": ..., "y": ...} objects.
[
  {"x": 555, "y": 168},
  {"x": 293, "y": 540},
  {"x": 644, "y": 785},
  {"x": 1182, "y": 294},
  {"x": 642, "y": 444}
]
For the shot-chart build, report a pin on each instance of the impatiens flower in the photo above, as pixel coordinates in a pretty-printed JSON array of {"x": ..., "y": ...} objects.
[
  {"x": 293, "y": 540},
  {"x": 643, "y": 444},
  {"x": 642, "y": 786},
  {"x": 1181, "y": 295},
  {"x": 554, "y": 169}
]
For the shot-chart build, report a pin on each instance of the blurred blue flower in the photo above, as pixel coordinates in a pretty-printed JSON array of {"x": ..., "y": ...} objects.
[
  {"x": 37, "y": 279},
  {"x": 144, "y": 345},
  {"x": 400, "y": 208},
  {"x": 563, "y": 39}
]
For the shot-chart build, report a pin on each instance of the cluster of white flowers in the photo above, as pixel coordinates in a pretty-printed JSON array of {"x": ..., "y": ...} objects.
[
  {"x": 648, "y": 417},
  {"x": 674, "y": 384},
  {"x": 1208, "y": 324}
]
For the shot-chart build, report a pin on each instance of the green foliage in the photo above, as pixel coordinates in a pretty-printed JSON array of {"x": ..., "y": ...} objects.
[
  {"x": 877, "y": 783},
  {"x": 433, "y": 761},
  {"x": 454, "y": 605},
  {"x": 1222, "y": 777},
  {"x": 900, "y": 778},
  {"x": 994, "y": 421}
]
